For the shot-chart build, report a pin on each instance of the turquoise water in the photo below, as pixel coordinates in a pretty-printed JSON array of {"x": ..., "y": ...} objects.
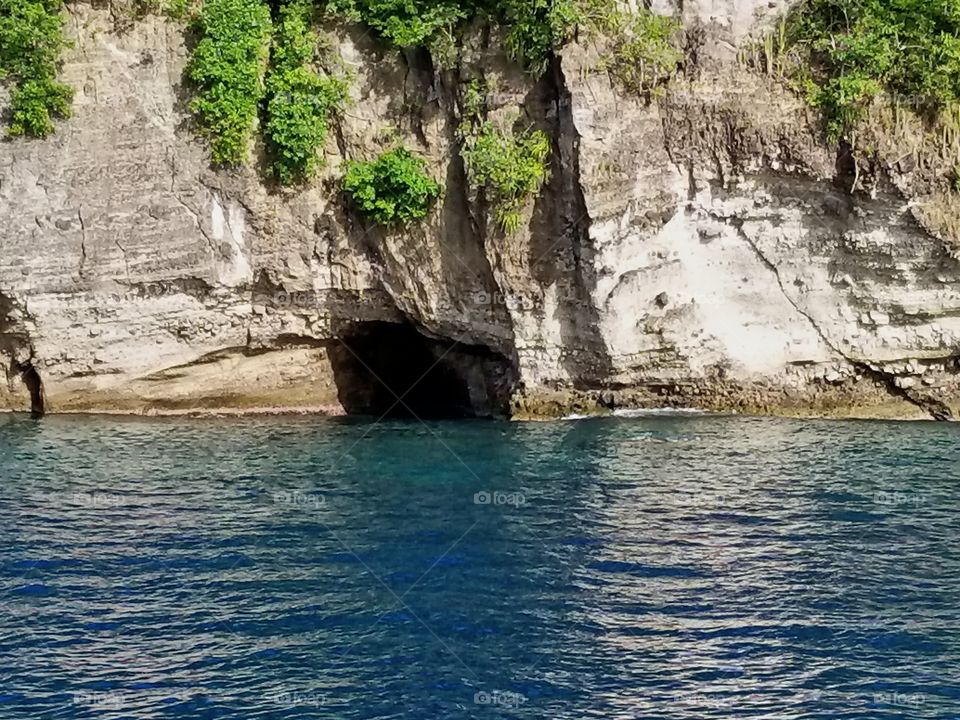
[{"x": 661, "y": 567}]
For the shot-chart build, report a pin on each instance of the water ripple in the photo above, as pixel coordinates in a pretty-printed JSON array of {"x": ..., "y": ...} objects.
[{"x": 656, "y": 566}]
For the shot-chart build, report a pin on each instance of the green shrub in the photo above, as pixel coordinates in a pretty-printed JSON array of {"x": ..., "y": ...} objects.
[
  {"x": 860, "y": 48},
  {"x": 300, "y": 102},
  {"x": 474, "y": 105},
  {"x": 180, "y": 9},
  {"x": 511, "y": 168},
  {"x": 645, "y": 52},
  {"x": 31, "y": 43},
  {"x": 404, "y": 23},
  {"x": 31, "y": 37},
  {"x": 227, "y": 66},
  {"x": 33, "y": 105},
  {"x": 394, "y": 188},
  {"x": 534, "y": 28}
]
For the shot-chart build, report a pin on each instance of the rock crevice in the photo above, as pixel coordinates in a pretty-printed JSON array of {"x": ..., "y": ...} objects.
[{"x": 691, "y": 249}]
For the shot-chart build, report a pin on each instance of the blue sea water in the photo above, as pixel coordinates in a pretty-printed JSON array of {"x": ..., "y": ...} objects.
[{"x": 651, "y": 567}]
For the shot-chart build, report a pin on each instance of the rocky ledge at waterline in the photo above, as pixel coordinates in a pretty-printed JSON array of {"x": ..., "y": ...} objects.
[{"x": 700, "y": 247}]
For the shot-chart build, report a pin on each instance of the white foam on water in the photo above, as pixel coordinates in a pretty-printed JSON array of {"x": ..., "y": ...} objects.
[
  {"x": 636, "y": 413},
  {"x": 632, "y": 413}
]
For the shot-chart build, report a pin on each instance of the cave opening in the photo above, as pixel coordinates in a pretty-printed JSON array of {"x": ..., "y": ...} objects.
[
  {"x": 15, "y": 344},
  {"x": 393, "y": 370},
  {"x": 31, "y": 378},
  {"x": 33, "y": 383}
]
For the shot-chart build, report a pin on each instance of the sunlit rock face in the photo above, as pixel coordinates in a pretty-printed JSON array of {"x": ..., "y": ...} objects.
[{"x": 701, "y": 248}]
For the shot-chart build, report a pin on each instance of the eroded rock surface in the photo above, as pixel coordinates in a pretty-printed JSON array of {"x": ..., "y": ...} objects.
[{"x": 701, "y": 249}]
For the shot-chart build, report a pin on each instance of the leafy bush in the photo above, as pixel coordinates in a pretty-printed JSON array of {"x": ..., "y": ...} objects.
[
  {"x": 31, "y": 42},
  {"x": 300, "y": 102},
  {"x": 34, "y": 103},
  {"x": 227, "y": 66},
  {"x": 180, "y": 9},
  {"x": 645, "y": 48},
  {"x": 861, "y": 48},
  {"x": 394, "y": 188},
  {"x": 645, "y": 52},
  {"x": 534, "y": 28},
  {"x": 404, "y": 23},
  {"x": 510, "y": 167}
]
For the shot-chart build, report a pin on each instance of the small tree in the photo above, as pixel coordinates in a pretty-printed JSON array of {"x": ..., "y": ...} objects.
[{"x": 393, "y": 189}]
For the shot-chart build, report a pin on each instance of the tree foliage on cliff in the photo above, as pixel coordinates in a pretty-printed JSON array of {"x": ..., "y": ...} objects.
[
  {"x": 645, "y": 47},
  {"x": 644, "y": 51},
  {"x": 228, "y": 66},
  {"x": 534, "y": 28},
  {"x": 859, "y": 49},
  {"x": 393, "y": 189},
  {"x": 300, "y": 101},
  {"x": 404, "y": 23},
  {"x": 31, "y": 43},
  {"x": 509, "y": 166}
]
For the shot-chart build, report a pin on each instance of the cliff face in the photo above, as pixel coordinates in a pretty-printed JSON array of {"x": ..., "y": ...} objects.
[{"x": 700, "y": 249}]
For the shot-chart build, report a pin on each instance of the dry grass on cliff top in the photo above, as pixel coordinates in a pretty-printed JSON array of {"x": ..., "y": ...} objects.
[
  {"x": 940, "y": 214},
  {"x": 922, "y": 157},
  {"x": 917, "y": 149}
]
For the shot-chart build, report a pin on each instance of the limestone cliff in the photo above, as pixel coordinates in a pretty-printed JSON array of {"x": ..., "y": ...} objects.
[{"x": 702, "y": 248}]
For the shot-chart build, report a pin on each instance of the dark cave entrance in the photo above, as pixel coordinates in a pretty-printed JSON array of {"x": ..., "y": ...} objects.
[
  {"x": 31, "y": 379},
  {"x": 375, "y": 363},
  {"x": 15, "y": 343},
  {"x": 32, "y": 382}
]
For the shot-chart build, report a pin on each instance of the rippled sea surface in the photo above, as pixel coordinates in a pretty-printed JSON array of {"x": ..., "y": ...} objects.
[{"x": 658, "y": 567}]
